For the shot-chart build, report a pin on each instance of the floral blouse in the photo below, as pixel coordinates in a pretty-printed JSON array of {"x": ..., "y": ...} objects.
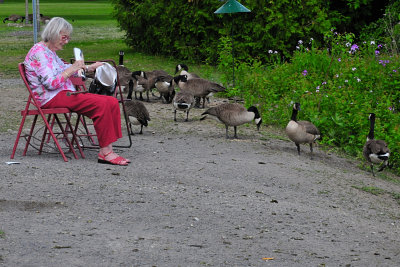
[{"x": 44, "y": 73}]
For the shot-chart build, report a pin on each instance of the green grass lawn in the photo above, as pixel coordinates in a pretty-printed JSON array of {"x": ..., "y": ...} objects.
[{"x": 95, "y": 31}]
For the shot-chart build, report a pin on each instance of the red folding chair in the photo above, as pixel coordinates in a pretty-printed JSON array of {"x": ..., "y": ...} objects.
[{"x": 33, "y": 108}]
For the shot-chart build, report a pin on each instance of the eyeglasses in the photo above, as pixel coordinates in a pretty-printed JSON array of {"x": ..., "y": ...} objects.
[{"x": 65, "y": 37}]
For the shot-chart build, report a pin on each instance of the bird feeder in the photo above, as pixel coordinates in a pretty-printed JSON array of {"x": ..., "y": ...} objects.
[{"x": 232, "y": 6}]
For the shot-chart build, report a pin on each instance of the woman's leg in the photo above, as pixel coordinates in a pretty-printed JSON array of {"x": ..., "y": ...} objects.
[{"x": 103, "y": 110}]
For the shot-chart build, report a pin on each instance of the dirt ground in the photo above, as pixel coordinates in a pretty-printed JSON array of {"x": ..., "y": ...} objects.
[{"x": 190, "y": 197}]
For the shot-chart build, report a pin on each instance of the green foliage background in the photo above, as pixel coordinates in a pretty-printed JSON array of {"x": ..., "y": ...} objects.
[{"x": 189, "y": 29}]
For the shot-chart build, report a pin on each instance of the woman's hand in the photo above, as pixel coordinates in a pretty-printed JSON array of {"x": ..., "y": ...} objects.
[
  {"x": 94, "y": 66},
  {"x": 78, "y": 65}
]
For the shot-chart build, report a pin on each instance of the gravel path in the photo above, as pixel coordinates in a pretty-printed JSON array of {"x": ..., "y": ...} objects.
[{"x": 192, "y": 198}]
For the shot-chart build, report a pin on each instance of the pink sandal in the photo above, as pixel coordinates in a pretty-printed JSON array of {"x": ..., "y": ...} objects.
[{"x": 120, "y": 161}]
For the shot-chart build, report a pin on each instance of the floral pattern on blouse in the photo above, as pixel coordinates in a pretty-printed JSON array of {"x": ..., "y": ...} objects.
[{"x": 44, "y": 73}]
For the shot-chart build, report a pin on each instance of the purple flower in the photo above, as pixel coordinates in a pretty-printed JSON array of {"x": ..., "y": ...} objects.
[
  {"x": 339, "y": 59},
  {"x": 376, "y": 52},
  {"x": 354, "y": 47},
  {"x": 305, "y": 72}
]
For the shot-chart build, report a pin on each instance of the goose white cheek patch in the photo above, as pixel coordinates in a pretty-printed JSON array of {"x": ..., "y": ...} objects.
[{"x": 258, "y": 120}]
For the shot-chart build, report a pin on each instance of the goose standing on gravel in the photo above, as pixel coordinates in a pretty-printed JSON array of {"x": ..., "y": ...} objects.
[
  {"x": 137, "y": 114},
  {"x": 166, "y": 86},
  {"x": 137, "y": 84},
  {"x": 183, "y": 101},
  {"x": 301, "y": 132},
  {"x": 184, "y": 70},
  {"x": 200, "y": 88},
  {"x": 375, "y": 151},
  {"x": 233, "y": 114},
  {"x": 152, "y": 76}
]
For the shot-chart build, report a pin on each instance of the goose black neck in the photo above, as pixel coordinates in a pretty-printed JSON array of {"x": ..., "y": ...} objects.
[
  {"x": 294, "y": 114},
  {"x": 121, "y": 58},
  {"x": 371, "y": 128}
]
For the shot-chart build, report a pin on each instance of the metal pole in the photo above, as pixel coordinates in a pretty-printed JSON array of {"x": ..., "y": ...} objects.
[
  {"x": 34, "y": 18},
  {"x": 233, "y": 54}
]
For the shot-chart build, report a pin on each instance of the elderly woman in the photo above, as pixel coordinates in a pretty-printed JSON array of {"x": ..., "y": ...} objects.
[{"x": 48, "y": 76}]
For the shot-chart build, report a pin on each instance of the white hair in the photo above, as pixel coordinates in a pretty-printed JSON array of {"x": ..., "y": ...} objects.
[{"x": 52, "y": 30}]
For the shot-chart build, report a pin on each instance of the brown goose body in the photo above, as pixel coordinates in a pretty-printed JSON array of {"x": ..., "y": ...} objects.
[
  {"x": 201, "y": 88},
  {"x": 301, "y": 132},
  {"x": 233, "y": 114},
  {"x": 166, "y": 86},
  {"x": 137, "y": 114}
]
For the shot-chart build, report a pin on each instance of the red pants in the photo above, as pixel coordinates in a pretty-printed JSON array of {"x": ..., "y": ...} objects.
[{"x": 103, "y": 110}]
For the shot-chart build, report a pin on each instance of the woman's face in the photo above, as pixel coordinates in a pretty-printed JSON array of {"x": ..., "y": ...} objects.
[{"x": 59, "y": 43}]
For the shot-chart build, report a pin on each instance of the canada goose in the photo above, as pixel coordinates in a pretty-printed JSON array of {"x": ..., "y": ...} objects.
[
  {"x": 149, "y": 82},
  {"x": 234, "y": 114},
  {"x": 44, "y": 19},
  {"x": 301, "y": 132},
  {"x": 124, "y": 74},
  {"x": 375, "y": 151},
  {"x": 152, "y": 77},
  {"x": 137, "y": 114},
  {"x": 135, "y": 86},
  {"x": 166, "y": 86},
  {"x": 199, "y": 87},
  {"x": 14, "y": 18},
  {"x": 183, "y": 101},
  {"x": 184, "y": 71}
]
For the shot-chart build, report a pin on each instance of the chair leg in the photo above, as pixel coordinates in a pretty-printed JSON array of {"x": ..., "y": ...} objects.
[
  {"x": 18, "y": 136},
  {"x": 28, "y": 141},
  {"x": 53, "y": 136},
  {"x": 65, "y": 136},
  {"x": 74, "y": 138},
  {"x": 45, "y": 133}
]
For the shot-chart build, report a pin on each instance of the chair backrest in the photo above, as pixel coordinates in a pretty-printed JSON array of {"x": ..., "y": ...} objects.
[{"x": 31, "y": 100}]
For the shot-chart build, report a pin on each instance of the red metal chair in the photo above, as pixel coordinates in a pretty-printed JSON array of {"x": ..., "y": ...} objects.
[{"x": 33, "y": 108}]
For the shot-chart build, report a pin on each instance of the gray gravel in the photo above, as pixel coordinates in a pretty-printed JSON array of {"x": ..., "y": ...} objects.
[{"x": 192, "y": 198}]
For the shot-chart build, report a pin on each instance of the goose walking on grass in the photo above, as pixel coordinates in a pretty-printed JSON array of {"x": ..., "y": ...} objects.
[
  {"x": 233, "y": 114},
  {"x": 375, "y": 151},
  {"x": 301, "y": 132},
  {"x": 14, "y": 18},
  {"x": 183, "y": 101}
]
